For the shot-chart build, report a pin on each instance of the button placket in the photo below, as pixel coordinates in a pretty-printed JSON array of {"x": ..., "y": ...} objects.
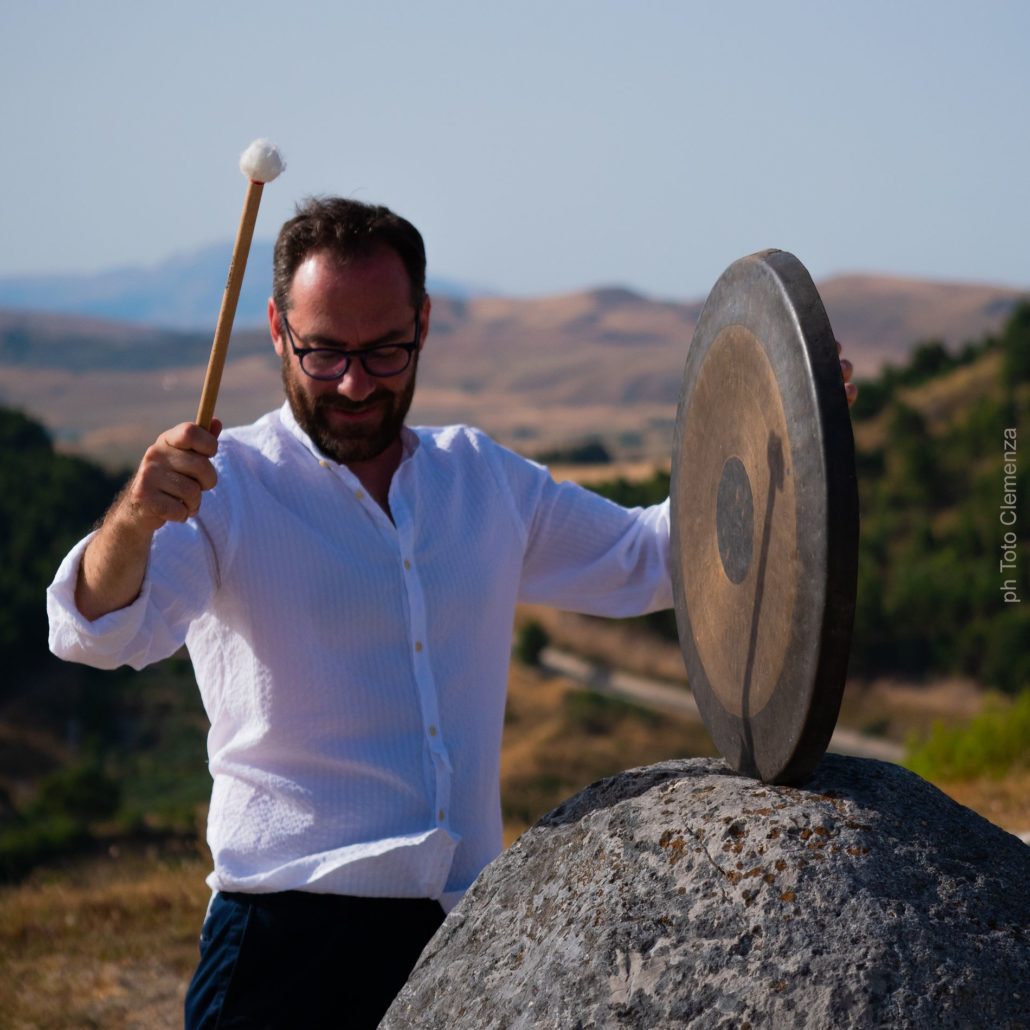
[{"x": 424, "y": 680}]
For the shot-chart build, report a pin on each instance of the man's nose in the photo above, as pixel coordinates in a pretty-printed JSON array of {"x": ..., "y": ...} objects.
[{"x": 356, "y": 384}]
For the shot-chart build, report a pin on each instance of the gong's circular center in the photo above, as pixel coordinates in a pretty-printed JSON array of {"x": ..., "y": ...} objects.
[{"x": 735, "y": 520}]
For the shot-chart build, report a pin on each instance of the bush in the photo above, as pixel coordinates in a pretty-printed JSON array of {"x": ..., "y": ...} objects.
[
  {"x": 27, "y": 844},
  {"x": 599, "y": 715},
  {"x": 531, "y": 640},
  {"x": 83, "y": 791},
  {"x": 57, "y": 821},
  {"x": 635, "y": 494},
  {"x": 990, "y": 745},
  {"x": 1006, "y": 661},
  {"x": 1016, "y": 346},
  {"x": 587, "y": 452},
  {"x": 47, "y": 501}
]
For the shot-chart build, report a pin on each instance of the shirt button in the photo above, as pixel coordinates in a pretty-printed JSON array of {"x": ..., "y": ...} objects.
[
  {"x": 407, "y": 564},
  {"x": 440, "y": 815},
  {"x": 432, "y": 731},
  {"x": 360, "y": 494},
  {"x": 418, "y": 645},
  {"x": 323, "y": 463}
]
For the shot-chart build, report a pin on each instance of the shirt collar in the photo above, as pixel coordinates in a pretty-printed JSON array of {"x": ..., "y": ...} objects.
[{"x": 409, "y": 438}]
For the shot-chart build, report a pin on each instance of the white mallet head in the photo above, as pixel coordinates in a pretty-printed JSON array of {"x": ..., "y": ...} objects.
[{"x": 261, "y": 161}]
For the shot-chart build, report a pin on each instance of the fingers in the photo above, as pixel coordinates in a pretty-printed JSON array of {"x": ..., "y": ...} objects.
[
  {"x": 847, "y": 370},
  {"x": 175, "y": 471},
  {"x": 190, "y": 437}
]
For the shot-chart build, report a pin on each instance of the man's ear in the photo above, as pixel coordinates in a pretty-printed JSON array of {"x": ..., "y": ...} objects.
[
  {"x": 427, "y": 304},
  {"x": 275, "y": 327}
]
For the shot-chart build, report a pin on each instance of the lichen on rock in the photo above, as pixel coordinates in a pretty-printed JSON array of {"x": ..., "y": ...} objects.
[{"x": 682, "y": 894}]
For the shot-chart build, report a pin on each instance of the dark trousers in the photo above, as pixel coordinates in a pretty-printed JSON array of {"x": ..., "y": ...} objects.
[{"x": 296, "y": 959}]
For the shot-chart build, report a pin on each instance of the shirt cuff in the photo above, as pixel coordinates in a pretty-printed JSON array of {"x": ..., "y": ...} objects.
[{"x": 72, "y": 636}]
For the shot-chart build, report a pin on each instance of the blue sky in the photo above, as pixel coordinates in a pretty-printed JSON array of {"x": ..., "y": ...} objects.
[{"x": 540, "y": 146}]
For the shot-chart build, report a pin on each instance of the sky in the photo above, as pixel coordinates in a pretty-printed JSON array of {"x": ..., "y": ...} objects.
[{"x": 541, "y": 147}]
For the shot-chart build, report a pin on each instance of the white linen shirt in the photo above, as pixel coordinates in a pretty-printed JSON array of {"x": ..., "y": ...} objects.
[{"x": 354, "y": 668}]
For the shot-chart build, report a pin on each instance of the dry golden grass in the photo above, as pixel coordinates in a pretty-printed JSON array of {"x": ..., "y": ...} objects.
[
  {"x": 897, "y": 709},
  {"x": 1005, "y": 802},
  {"x": 111, "y": 945},
  {"x": 588, "y": 475}
]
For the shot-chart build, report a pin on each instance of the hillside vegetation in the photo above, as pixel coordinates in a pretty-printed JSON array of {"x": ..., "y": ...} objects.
[
  {"x": 944, "y": 489},
  {"x": 943, "y": 462}
]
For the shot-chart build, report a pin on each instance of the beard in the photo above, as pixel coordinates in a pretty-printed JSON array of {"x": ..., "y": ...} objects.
[{"x": 359, "y": 442}]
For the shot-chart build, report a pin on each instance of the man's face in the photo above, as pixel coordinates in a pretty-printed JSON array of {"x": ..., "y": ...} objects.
[{"x": 349, "y": 306}]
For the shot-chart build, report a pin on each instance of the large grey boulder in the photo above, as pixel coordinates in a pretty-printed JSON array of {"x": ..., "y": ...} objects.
[{"x": 683, "y": 894}]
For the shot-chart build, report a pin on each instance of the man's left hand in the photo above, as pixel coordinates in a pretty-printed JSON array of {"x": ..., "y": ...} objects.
[{"x": 847, "y": 370}]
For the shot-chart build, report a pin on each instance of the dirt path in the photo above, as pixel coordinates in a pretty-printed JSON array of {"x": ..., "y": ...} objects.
[{"x": 662, "y": 697}]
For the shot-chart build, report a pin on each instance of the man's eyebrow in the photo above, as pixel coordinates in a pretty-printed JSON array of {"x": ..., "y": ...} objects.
[{"x": 320, "y": 341}]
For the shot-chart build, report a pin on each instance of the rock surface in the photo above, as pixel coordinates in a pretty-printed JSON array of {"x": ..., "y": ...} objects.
[{"x": 684, "y": 895}]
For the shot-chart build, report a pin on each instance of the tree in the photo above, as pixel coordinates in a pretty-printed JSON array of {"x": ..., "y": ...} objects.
[
  {"x": 1015, "y": 344},
  {"x": 47, "y": 502}
]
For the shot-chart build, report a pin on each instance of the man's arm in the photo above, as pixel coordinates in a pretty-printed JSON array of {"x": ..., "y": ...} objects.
[
  {"x": 167, "y": 487},
  {"x": 588, "y": 555}
]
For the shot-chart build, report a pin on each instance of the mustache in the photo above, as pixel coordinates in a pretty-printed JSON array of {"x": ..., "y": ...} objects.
[{"x": 328, "y": 403}]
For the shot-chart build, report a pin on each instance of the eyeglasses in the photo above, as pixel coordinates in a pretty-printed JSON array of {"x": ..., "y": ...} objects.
[{"x": 326, "y": 363}]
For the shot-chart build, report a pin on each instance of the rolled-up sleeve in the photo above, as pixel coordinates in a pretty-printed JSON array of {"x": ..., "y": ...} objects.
[{"x": 179, "y": 582}]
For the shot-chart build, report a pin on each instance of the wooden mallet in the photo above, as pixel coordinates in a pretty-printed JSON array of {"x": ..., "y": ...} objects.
[{"x": 261, "y": 162}]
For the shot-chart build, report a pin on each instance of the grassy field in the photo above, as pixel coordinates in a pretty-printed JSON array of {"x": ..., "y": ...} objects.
[{"x": 110, "y": 942}]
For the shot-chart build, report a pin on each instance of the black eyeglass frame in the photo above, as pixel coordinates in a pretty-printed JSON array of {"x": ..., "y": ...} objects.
[{"x": 347, "y": 355}]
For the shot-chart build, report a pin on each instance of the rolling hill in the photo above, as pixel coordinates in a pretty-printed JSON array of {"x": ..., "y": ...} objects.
[{"x": 535, "y": 372}]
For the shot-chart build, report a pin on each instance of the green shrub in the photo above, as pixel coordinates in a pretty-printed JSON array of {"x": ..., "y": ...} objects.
[
  {"x": 25, "y": 845},
  {"x": 599, "y": 714},
  {"x": 1006, "y": 662},
  {"x": 532, "y": 638},
  {"x": 83, "y": 791},
  {"x": 993, "y": 743},
  {"x": 586, "y": 452},
  {"x": 639, "y": 493}
]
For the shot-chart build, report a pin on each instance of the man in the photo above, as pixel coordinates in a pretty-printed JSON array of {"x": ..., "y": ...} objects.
[{"x": 346, "y": 592}]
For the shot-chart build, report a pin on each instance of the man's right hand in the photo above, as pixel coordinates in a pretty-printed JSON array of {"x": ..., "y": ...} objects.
[
  {"x": 167, "y": 487},
  {"x": 174, "y": 472}
]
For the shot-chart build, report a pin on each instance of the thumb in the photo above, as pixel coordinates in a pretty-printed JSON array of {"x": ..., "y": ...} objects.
[{"x": 216, "y": 427}]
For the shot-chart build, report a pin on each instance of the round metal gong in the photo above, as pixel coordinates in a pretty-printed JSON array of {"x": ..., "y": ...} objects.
[{"x": 765, "y": 519}]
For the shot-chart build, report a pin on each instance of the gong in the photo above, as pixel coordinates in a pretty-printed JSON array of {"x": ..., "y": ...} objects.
[{"x": 765, "y": 519}]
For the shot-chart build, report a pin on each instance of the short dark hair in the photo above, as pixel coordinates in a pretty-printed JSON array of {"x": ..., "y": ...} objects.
[{"x": 349, "y": 230}]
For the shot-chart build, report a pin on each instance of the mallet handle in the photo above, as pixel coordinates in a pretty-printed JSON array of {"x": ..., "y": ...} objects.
[{"x": 237, "y": 266}]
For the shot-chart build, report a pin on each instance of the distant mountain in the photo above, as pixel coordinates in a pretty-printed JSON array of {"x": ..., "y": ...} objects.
[
  {"x": 182, "y": 292},
  {"x": 535, "y": 372},
  {"x": 886, "y": 315}
]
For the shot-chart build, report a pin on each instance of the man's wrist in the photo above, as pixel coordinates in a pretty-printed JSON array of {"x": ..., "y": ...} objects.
[{"x": 128, "y": 525}]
